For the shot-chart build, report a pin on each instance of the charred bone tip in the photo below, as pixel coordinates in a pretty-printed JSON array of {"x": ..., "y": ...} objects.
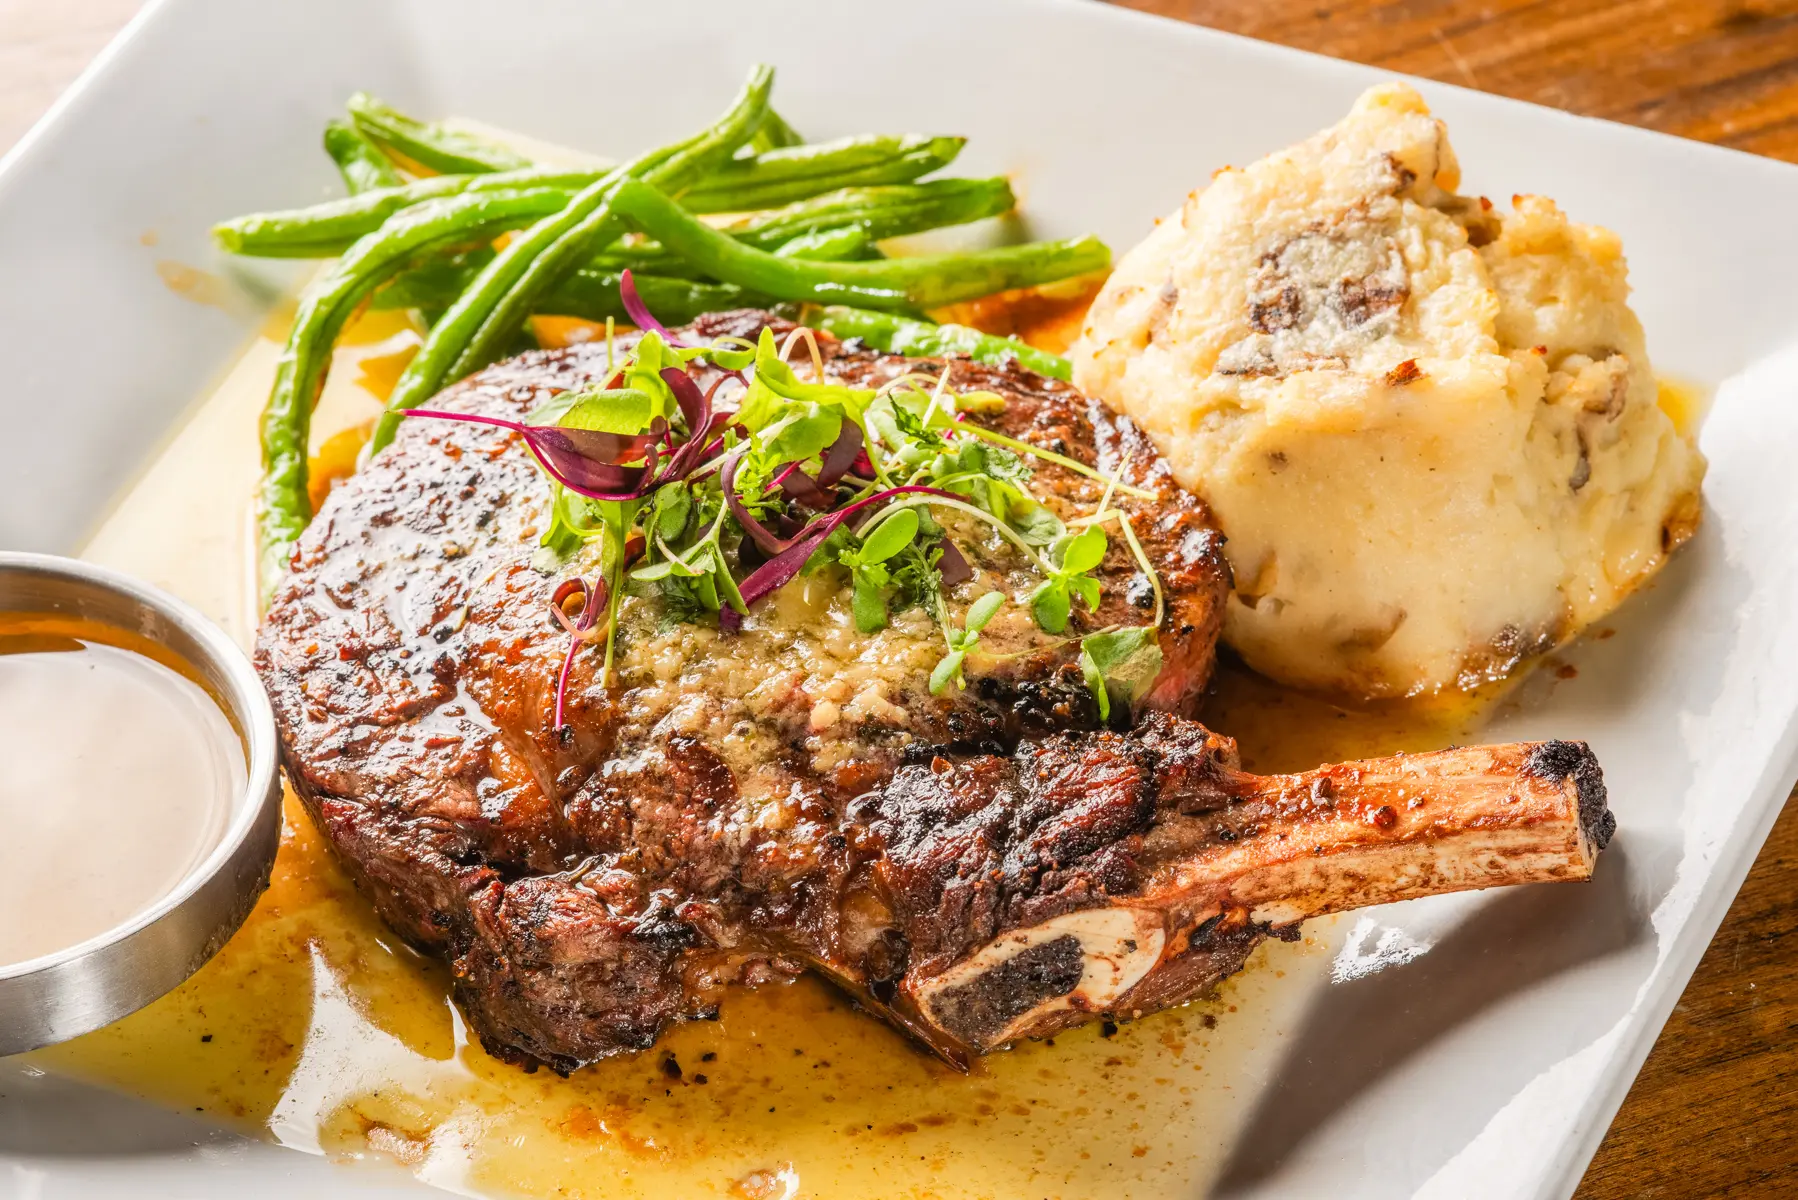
[{"x": 1561, "y": 762}]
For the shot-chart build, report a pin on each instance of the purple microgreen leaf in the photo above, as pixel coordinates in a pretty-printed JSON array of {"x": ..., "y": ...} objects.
[
  {"x": 842, "y": 454},
  {"x": 580, "y": 630},
  {"x": 953, "y": 566},
  {"x": 775, "y": 573},
  {"x": 470, "y": 418},
  {"x": 562, "y": 681},
  {"x": 711, "y": 393},
  {"x": 581, "y": 460},
  {"x": 760, "y": 534},
  {"x": 639, "y": 312},
  {"x": 695, "y": 405},
  {"x": 569, "y": 587},
  {"x": 803, "y": 488}
]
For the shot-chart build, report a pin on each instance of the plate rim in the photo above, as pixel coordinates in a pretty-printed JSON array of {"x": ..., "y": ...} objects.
[{"x": 1779, "y": 771}]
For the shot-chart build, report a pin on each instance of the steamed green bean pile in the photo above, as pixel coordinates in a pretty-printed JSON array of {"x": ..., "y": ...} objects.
[{"x": 786, "y": 222}]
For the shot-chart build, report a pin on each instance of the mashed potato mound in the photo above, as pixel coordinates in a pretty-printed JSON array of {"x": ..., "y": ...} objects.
[{"x": 1428, "y": 429}]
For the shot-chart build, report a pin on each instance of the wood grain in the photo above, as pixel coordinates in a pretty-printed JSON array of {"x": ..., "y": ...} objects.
[
  {"x": 1723, "y": 71},
  {"x": 1714, "y": 1112},
  {"x": 44, "y": 44}
]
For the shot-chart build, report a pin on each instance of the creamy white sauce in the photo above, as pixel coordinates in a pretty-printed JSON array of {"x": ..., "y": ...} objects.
[{"x": 116, "y": 779}]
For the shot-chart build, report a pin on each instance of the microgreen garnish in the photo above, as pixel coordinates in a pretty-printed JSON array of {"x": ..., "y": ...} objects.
[
  {"x": 1120, "y": 665},
  {"x": 787, "y": 563},
  {"x": 714, "y": 510},
  {"x": 868, "y": 572},
  {"x": 1053, "y": 599},
  {"x": 639, "y": 312},
  {"x": 587, "y": 600},
  {"x": 586, "y": 461},
  {"x": 963, "y": 640}
]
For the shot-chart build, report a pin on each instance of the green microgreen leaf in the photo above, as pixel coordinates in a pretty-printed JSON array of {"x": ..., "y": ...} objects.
[
  {"x": 869, "y": 576},
  {"x": 890, "y": 536},
  {"x": 1095, "y": 683},
  {"x": 624, "y": 411},
  {"x": 726, "y": 585},
  {"x": 1035, "y": 523},
  {"x": 730, "y": 358},
  {"x": 868, "y": 602},
  {"x": 1051, "y": 606},
  {"x": 979, "y": 402},
  {"x": 804, "y": 431},
  {"x": 673, "y": 507},
  {"x": 1120, "y": 665},
  {"x": 949, "y": 669},
  {"x": 775, "y": 386},
  {"x": 1084, "y": 551},
  {"x": 961, "y": 641},
  {"x": 1052, "y": 602},
  {"x": 980, "y": 612}
]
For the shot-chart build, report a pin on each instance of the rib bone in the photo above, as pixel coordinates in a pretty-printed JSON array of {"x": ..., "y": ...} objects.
[{"x": 1108, "y": 873}]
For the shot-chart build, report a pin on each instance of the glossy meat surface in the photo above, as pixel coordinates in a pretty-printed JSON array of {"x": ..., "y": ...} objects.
[{"x": 691, "y": 832}]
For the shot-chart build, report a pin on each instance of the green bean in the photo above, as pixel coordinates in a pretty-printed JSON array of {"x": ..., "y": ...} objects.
[
  {"x": 440, "y": 281},
  {"x": 725, "y": 258},
  {"x": 495, "y": 306},
  {"x": 588, "y": 293},
  {"x": 324, "y": 308},
  {"x": 436, "y": 284},
  {"x": 323, "y": 230},
  {"x": 830, "y": 245},
  {"x": 429, "y": 144},
  {"x": 593, "y": 295},
  {"x": 796, "y": 172},
  {"x": 327, "y": 229},
  {"x": 880, "y": 212},
  {"x": 895, "y": 284},
  {"x": 897, "y": 335},
  {"x": 562, "y": 240},
  {"x": 361, "y": 163},
  {"x": 432, "y": 285},
  {"x": 774, "y": 134},
  {"x": 645, "y": 258}
]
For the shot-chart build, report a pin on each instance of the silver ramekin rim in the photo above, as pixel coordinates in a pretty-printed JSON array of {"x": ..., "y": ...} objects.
[{"x": 249, "y": 710}]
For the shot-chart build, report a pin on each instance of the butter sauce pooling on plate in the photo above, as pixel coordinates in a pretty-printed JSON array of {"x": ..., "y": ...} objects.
[
  {"x": 315, "y": 1027},
  {"x": 118, "y": 777}
]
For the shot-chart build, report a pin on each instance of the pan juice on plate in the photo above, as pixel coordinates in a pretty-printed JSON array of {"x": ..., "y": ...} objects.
[{"x": 316, "y": 1028}]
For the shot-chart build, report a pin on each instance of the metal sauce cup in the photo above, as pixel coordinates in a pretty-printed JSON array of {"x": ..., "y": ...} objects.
[{"x": 76, "y": 990}]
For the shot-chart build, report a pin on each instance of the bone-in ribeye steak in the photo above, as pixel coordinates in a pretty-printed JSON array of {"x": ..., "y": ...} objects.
[{"x": 974, "y": 867}]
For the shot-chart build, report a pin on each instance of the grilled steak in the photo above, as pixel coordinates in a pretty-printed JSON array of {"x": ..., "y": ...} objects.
[{"x": 976, "y": 867}]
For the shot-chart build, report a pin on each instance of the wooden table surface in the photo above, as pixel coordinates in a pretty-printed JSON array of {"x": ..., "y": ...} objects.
[{"x": 1715, "y": 1111}]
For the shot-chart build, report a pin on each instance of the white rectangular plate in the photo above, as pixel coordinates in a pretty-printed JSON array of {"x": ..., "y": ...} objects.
[{"x": 1469, "y": 1046}]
